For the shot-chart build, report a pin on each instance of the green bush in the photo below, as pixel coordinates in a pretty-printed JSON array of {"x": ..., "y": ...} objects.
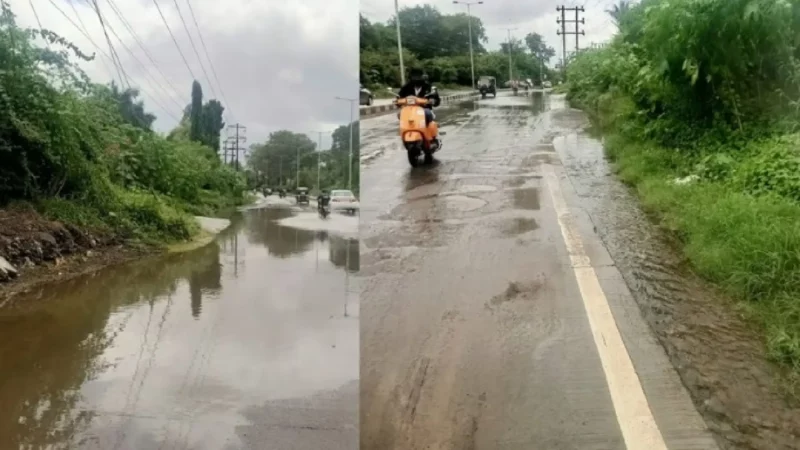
[
  {"x": 65, "y": 146},
  {"x": 711, "y": 88}
]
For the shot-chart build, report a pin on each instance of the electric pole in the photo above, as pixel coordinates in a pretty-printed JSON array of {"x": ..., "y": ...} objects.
[
  {"x": 469, "y": 30},
  {"x": 238, "y": 138},
  {"x": 319, "y": 153},
  {"x": 510, "y": 74},
  {"x": 563, "y": 31}
]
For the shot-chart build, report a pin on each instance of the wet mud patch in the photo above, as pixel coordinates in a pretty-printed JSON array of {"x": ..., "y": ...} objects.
[
  {"x": 517, "y": 291},
  {"x": 519, "y": 225},
  {"x": 414, "y": 235},
  {"x": 527, "y": 198},
  {"x": 539, "y": 158},
  {"x": 514, "y": 182}
]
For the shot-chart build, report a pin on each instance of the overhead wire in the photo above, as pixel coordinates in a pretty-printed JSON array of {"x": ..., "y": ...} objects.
[
  {"x": 85, "y": 33},
  {"x": 116, "y": 61},
  {"x": 175, "y": 41},
  {"x": 38, "y": 22},
  {"x": 136, "y": 38},
  {"x": 194, "y": 48},
  {"x": 157, "y": 85},
  {"x": 210, "y": 63}
]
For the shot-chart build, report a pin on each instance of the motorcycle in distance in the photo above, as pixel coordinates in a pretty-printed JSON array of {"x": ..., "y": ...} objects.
[
  {"x": 419, "y": 140},
  {"x": 324, "y": 205},
  {"x": 324, "y": 210}
]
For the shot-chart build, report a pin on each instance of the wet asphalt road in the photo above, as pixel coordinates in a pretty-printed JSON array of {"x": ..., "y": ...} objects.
[
  {"x": 248, "y": 343},
  {"x": 493, "y": 316}
]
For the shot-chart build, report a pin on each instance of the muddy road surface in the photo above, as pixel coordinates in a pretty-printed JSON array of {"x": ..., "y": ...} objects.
[
  {"x": 516, "y": 298},
  {"x": 248, "y": 343}
]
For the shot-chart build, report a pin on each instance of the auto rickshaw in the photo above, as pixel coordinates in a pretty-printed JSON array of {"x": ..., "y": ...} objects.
[
  {"x": 487, "y": 85},
  {"x": 302, "y": 196}
]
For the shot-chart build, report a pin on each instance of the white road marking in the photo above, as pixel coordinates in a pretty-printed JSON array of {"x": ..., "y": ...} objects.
[{"x": 636, "y": 421}]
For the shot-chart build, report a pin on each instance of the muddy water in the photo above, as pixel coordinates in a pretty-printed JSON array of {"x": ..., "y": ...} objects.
[
  {"x": 250, "y": 340},
  {"x": 719, "y": 359}
]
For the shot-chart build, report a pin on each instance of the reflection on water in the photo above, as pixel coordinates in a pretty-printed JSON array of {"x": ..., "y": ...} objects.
[{"x": 87, "y": 359}]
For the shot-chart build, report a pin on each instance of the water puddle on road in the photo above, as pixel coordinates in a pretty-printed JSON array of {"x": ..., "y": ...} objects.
[{"x": 181, "y": 350}]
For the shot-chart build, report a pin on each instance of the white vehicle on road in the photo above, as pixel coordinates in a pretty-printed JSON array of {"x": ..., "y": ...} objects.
[{"x": 344, "y": 200}]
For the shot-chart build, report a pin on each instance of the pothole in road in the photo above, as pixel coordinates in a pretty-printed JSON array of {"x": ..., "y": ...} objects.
[
  {"x": 527, "y": 198},
  {"x": 519, "y": 225},
  {"x": 471, "y": 189},
  {"x": 464, "y": 203}
]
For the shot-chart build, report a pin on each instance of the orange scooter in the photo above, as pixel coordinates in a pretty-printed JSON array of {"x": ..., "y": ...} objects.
[{"x": 418, "y": 139}]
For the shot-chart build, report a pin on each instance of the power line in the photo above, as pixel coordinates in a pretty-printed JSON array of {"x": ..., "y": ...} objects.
[
  {"x": 210, "y": 63},
  {"x": 141, "y": 45},
  {"x": 191, "y": 41},
  {"x": 39, "y": 22},
  {"x": 116, "y": 62},
  {"x": 175, "y": 41},
  {"x": 119, "y": 62},
  {"x": 144, "y": 70},
  {"x": 85, "y": 33}
]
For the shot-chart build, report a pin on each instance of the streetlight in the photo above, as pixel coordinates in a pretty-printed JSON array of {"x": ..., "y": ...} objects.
[
  {"x": 469, "y": 26},
  {"x": 399, "y": 44},
  {"x": 509, "y": 53},
  {"x": 350, "y": 156}
]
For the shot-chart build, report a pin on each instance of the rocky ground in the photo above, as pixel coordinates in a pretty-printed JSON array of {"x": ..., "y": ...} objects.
[{"x": 34, "y": 250}]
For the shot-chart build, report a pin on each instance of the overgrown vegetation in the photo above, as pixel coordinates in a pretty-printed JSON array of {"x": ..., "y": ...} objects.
[
  {"x": 707, "y": 91},
  {"x": 85, "y": 153},
  {"x": 439, "y": 44}
]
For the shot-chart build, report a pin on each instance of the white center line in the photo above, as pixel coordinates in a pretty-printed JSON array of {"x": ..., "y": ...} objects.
[{"x": 636, "y": 421}]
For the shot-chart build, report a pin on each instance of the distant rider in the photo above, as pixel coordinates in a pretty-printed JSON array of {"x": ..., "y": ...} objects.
[
  {"x": 323, "y": 199},
  {"x": 418, "y": 86}
]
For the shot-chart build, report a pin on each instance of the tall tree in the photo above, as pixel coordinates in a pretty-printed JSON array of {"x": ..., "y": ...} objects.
[
  {"x": 341, "y": 139},
  {"x": 196, "y": 113},
  {"x": 212, "y": 124},
  {"x": 538, "y": 47},
  {"x": 618, "y": 11},
  {"x": 131, "y": 109}
]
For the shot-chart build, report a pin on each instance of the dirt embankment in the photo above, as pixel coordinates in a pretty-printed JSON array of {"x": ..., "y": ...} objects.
[{"x": 39, "y": 250}]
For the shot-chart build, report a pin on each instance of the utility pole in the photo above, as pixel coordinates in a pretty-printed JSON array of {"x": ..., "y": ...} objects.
[
  {"x": 510, "y": 74},
  {"x": 319, "y": 153},
  {"x": 563, "y": 31},
  {"x": 399, "y": 44},
  {"x": 350, "y": 157},
  {"x": 469, "y": 28},
  {"x": 236, "y": 140}
]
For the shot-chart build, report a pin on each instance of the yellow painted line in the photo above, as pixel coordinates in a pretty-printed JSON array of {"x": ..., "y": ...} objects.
[{"x": 636, "y": 421}]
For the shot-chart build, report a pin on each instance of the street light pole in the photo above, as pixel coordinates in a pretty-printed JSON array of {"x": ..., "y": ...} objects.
[
  {"x": 350, "y": 155},
  {"x": 510, "y": 75},
  {"x": 469, "y": 27},
  {"x": 399, "y": 44},
  {"x": 319, "y": 153}
]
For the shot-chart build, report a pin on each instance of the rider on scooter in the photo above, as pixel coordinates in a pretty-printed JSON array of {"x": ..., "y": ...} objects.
[
  {"x": 418, "y": 86},
  {"x": 323, "y": 199}
]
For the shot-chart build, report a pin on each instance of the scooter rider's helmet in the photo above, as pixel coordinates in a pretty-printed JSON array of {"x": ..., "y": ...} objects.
[{"x": 416, "y": 75}]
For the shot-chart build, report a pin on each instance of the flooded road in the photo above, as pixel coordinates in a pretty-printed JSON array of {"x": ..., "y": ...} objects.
[
  {"x": 517, "y": 298},
  {"x": 248, "y": 343}
]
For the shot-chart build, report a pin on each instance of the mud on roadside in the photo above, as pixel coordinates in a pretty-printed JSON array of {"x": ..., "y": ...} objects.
[{"x": 44, "y": 251}]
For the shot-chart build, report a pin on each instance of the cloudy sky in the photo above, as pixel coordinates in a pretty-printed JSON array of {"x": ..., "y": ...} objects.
[
  {"x": 527, "y": 16},
  {"x": 279, "y": 66}
]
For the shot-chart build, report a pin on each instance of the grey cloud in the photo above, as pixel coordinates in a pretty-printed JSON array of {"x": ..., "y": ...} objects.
[{"x": 262, "y": 42}]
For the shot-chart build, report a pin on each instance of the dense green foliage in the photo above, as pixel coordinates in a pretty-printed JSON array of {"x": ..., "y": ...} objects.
[
  {"x": 709, "y": 89},
  {"x": 439, "y": 44},
  {"x": 85, "y": 153},
  {"x": 274, "y": 163}
]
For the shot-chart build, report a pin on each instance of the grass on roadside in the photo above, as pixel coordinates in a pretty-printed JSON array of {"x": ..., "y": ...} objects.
[{"x": 749, "y": 245}]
